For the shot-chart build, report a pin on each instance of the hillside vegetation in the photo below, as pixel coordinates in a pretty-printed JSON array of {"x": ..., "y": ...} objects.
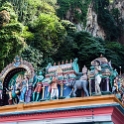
[{"x": 43, "y": 31}]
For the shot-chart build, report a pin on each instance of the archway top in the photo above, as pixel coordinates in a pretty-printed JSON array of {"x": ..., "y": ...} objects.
[{"x": 17, "y": 63}]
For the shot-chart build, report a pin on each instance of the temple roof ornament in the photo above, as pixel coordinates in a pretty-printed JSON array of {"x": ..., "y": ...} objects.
[
  {"x": 17, "y": 61},
  {"x": 101, "y": 59}
]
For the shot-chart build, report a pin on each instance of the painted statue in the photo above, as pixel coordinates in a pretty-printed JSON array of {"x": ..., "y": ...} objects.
[
  {"x": 82, "y": 83},
  {"x": 1, "y": 89},
  {"x": 29, "y": 91},
  {"x": 48, "y": 66},
  {"x": 9, "y": 92},
  {"x": 37, "y": 85},
  {"x": 97, "y": 77},
  {"x": 113, "y": 75},
  {"x": 53, "y": 88},
  {"x": 14, "y": 90},
  {"x": 17, "y": 61},
  {"x": 116, "y": 86},
  {"x": 75, "y": 65},
  {"x": 24, "y": 88},
  {"x": 102, "y": 74}
]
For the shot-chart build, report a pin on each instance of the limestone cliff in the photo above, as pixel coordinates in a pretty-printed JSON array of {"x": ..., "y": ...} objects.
[
  {"x": 119, "y": 4},
  {"x": 92, "y": 24},
  {"x": 105, "y": 21}
]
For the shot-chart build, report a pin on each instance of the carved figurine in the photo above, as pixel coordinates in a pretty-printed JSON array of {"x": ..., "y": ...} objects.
[
  {"x": 113, "y": 75},
  {"x": 54, "y": 88},
  {"x": 14, "y": 90},
  {"x": 97, "y": 77},
  {"x": 75, "y": 65},
  {"x": 17, "y": 61},
  {"x": 48, "y": 66},
  {"x": 115, "y": 86},
  {"x": 79, "y": 84},
  {"x": 29, "y": 91},
  {"x": 24, "y": 88},
  {"x": 37, "y": 87}
]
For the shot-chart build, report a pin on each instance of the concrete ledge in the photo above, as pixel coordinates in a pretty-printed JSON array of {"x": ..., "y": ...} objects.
[{"x": 62, "y": 103}]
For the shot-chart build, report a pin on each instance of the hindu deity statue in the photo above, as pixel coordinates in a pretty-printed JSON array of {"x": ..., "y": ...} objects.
[
  {"x": 116, "y": 85},
  {"x": 53, "y": 88},
  {"x": 81, "y": 83},
  {"x": 24, "y": 88},
  {"x": 97, "y": 77},
  {"x": 17, "y": 61},
  {"x": 37, "y": 87},
  {"x": 14, "y": 89},
  {"x": 29, "y": 91},
  {"x": 48, "y": 66},
  {"x": 75, "y": 65}
]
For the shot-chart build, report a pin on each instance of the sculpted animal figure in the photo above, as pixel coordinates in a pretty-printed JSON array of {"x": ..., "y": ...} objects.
[
  {"x": 82, "y": 83},
  {"x": 78, "y": 84}
]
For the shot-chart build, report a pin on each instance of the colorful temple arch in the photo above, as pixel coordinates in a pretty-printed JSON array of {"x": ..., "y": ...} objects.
[{"x": 16, "y": 67}]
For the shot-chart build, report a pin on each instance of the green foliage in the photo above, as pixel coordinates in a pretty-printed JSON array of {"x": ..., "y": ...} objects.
[
  {"x": 51, "y": 2},
  {"x": 81, "y": 45},
  {"x": 46, "y": 38},
  {"x": 78, "y": 10},
  {"x": 68, "y": 45},
  {"x": 28, "y": 10},
  {"x": 86, "y": 48},
  {"x": 35, "y": 8},
  {"x": 48, "y": 32},
  {"x": 19, "y": 6},
  {"x": 34, "y": 56},
  {"x": 11, "y": 37},
  {"x": 115, "y": 52},
  {"x": 106, "y": 19},
  {"x": 119, "y": 21}
]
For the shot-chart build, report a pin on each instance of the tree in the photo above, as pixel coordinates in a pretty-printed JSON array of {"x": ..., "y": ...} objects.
[
  {"x": 106, "y": 19},
  {"x": 35, "y": 8},
  {"x": 34, "y": 56},
  {"x": 48, "y": 32},
  {"x": 65, "y": 50},
  {"x": 88, "y": 48},
  {"x": 19, "y": 6},
  {"x": 11, "y": 35},
  {"x": 115, "y": 52}
]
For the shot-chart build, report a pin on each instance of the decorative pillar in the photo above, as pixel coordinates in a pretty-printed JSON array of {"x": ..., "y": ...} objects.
[
  {"x": 90, "y": 87},
  {"x": 107, "y": 81},
  {"x": 43, "y": 90},
  {"x": 61, "y": 94}
]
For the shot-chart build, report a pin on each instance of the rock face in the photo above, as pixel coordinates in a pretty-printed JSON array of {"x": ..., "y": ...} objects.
[
  {"x": 92, "y": 25},
  {"x": 71, "y": 17},
  {"x": 119, "y": 4}
]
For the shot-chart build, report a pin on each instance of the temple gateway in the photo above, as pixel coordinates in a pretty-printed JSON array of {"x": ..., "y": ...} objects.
[{"x": 62, "y": 94}]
